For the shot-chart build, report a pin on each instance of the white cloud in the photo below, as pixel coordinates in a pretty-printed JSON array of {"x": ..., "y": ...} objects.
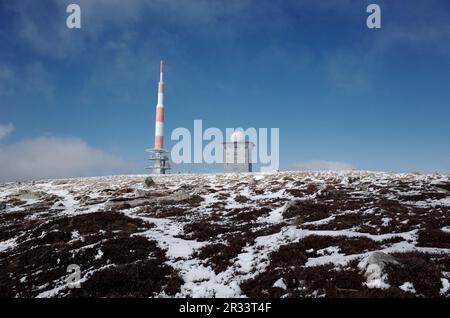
[
  {"x": 43, "y": 30},
  {"x": 5, "y": 130},
  {"x": 55, "y": 157},
  {"x": 54, "y": 39},
  {"x": 321, "y": 165}
]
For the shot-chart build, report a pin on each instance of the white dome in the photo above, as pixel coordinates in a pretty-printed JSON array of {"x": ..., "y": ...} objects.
[{"x": 238, "y": 136}]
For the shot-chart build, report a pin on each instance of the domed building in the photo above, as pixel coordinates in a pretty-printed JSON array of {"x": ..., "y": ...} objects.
[
  {"x": 238, "y": 136},
  {"x": 237, "y": 153}
]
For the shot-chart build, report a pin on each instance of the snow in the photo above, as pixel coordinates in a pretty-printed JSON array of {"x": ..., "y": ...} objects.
[
  {"x": 244, "y": 262},
  {"x": 8, "y": 244},
  {"x": 328, "y": 250},
  {"x": 410, "y": 235},
  {"x": 165, "y": 234},
  {"x": 408, "y": 287},
  {"x": 280, "y": 284},
  {"x": 63, "y": 283},
  {"x": 275, "y": 216},
  {"x": 445, "y": 201},
  {"x": 336, "y": 259},
  {"x": 375, "y": 277},
  {"x": 379, "y": 282},
  {"x": 445, "y": 286},
  {"x": 386, "y": 221},
  {"x": 75, "y": 235},
  {"x": 371, "y": 267},
  {"x": 320, "y": 222},
  {"x": 99, "y": 254},
  {"x": 446, "y": 229}
]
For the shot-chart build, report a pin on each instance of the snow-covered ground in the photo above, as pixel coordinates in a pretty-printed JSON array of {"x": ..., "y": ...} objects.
[{"x": 285, "y": 234}]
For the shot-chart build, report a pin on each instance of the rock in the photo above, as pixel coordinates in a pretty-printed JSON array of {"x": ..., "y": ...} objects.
[
  {"x": 381, "y": 259},
  {"x": 441, "y": 189},
  {"x": 175, "y": 197},
  {"x": 2, "y": 206},
  {"x": 127, "y": 203},
  {"x": 186, "y": 187},
  {"x": 444, "y": 187},
  {"x": 189, "y": 189},
  {"x": 149, "y": 182},
  {"x": 363, "y": 187},
  {"x": 142, "y": 193},
  {"x": 289, "y": 209},
  {"x": 373, "y": 268},
  {"x": 29, "y": 195},
  {"x": 60, "y": 182}
]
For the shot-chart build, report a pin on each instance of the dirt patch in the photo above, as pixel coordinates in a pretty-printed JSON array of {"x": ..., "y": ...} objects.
[
  {"x": 203, "y": 231},
  {"x": 37, "y": 266},
  {"x": 127, "y": 249},
  {"x": 445, "y": 186},
  {"x": 307, "y": 210},
  {"x": 324, "y": 280},
  {"x": 330, "y": 281},
  {"x": 46, "y": 249},
  {"x": 241, "y": 199},
  {"x": 248, "y": 214},
  {"x": 422, "y": 270},
  {"x": 424, "y": 196},
  {"x": 220, "y": 256},
  {"x": 346, "y": 245},
  {"x": 316, "y": 281},
  {"x": 433, "y": 237},
  {"x": 164, "y": 211},
  {"x": 144, "y": 278},
  {"x": 89, "y": 226}
]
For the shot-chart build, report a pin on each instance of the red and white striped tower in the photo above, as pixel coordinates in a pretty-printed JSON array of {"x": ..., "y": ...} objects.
[
  {"x": 160, "y": 160},
  {"x": 159, "y": 126}
]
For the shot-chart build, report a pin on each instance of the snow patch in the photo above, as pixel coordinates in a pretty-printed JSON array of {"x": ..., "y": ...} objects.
[
  {"x": 445, "y": 286},
  {"x": 446, "y": 229},
  {"x": 8, "y": 244},
  {"x": 408, "y": 287},
  {"x": 280, "y": 284}
]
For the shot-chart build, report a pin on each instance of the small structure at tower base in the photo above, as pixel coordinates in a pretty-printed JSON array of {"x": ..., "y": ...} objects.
[{"x": 160, "y": 161}]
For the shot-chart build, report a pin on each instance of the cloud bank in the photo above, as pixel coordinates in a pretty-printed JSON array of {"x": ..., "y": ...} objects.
[
  {"x": 55, "y": 157},
  {"x": 321, "y": 165}
]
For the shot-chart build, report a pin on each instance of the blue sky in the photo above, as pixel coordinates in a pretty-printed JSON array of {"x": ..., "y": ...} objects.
[{"x": 339, "y": 92}]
